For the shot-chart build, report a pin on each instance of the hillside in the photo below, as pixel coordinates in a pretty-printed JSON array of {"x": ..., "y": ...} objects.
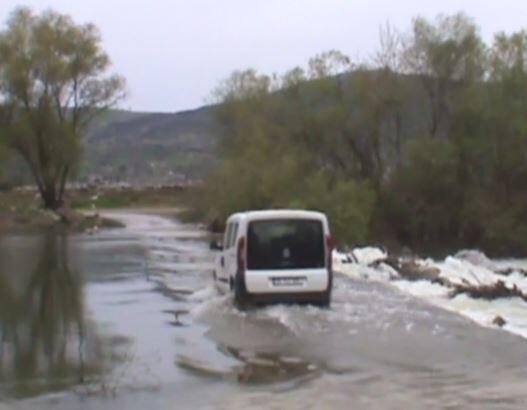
[
  {"x": 142, "y": 147},
  {"x": 145, "y": 147}
]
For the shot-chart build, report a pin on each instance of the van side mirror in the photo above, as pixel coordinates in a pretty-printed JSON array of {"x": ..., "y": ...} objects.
[{"x": 216, "y": 245}]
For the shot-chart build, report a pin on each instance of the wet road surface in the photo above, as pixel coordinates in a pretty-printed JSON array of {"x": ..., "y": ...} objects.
[{"x": 129, "y": 319}]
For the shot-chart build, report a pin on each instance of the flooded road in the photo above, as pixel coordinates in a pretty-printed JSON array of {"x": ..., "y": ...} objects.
[{"x": 129, "y": 319}]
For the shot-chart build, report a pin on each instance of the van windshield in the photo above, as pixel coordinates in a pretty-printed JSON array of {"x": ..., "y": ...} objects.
[{"x": 285, "y": 244}]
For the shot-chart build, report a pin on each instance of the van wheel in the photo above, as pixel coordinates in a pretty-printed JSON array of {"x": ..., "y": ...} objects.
[
  {"x": 241, "y": 298},
  {"x": 325, "y": 300}
]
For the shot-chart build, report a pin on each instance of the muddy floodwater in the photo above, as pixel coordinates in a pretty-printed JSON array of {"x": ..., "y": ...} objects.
[{"x": 130, "y": 319}]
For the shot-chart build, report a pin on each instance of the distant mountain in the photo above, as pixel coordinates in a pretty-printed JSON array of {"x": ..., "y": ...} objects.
[
  {"x": 144, "y": 147},
  {"x": 161, "y": 147}
]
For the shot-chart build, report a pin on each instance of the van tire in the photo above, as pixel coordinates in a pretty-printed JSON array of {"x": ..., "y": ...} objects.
[
  {"x": 325, "y": 301},
  {"x": 241, "y": 299}
]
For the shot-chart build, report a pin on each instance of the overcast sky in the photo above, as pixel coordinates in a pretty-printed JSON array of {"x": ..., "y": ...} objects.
[{"x": 174, "y": 52}]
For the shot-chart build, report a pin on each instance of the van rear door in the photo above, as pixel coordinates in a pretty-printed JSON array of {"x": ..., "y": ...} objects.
[
  {"x": 285, "y": 244},
  {"x": 286, "y": 255}
]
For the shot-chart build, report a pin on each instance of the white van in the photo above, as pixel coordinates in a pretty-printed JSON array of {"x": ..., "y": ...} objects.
[{"x": 276, "y": 256}]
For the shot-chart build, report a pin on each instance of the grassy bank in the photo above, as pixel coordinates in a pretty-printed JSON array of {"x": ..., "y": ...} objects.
[
  {"x": 21, "y": 210},
  {"x": 97, "y": 198}
]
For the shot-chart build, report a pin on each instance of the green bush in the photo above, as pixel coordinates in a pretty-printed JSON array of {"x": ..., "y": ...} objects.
[
  {"x": 348, "y": 204},
  {"x": 288, "y": 182}
]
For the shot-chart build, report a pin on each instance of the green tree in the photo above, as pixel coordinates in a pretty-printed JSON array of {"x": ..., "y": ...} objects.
[
  {"x": 427, "y": 145},
  {"x": 280, "y": 138},
  {"x": 508, "y": 98},
  {"x": 505, "y": 213},
  {"x": 445, "y": 55},
  {"x": 421, "y": 203},
  {"x": 52, "y": 85}
]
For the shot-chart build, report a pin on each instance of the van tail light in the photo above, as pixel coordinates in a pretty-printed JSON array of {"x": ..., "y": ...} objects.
[
  {"x": 241, "y": 255},
  {"x": 329, "y": 248}
]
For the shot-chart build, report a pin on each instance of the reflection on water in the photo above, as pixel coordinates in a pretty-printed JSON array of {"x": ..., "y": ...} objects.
[
  {"x": 43, "y": 344},
  {"x": 149, "y": 330}
]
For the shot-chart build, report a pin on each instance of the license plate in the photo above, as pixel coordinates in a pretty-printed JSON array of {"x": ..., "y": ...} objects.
[{"x": 288, "y": 281}]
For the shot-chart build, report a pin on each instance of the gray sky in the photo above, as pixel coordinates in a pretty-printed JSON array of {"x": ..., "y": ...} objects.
[{"x": 174, "y": 52}]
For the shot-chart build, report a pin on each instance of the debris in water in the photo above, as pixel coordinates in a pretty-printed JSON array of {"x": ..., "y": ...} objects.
[
  {"x": 489, "y": 292},
  {"x": 176, "y": 314},
  {"x": 510, "y": 271},
  {"x": 412, "y": 271},
  {"x": 499, "y": 321}
]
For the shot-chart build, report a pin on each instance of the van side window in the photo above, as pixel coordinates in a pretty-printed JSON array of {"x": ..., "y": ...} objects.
[
  {"x": 234, "y": 234},
  {"x": 227, "y": 238}
]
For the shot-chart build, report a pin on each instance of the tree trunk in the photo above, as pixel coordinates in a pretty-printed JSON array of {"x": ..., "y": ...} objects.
[
  {"x": 51, "y": 198},
  {"x": 398, "y": 139},
  {"x": 62, "y": 182}
]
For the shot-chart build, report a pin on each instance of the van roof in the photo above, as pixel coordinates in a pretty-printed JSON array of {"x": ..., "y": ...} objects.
[{"x": 278, "y": 213}]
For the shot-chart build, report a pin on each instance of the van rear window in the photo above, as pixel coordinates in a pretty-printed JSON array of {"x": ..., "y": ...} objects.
[{"x": 285, "y": 244}]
